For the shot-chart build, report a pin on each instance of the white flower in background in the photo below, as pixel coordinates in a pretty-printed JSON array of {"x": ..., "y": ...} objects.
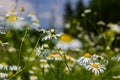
[
  {"x": 101, "y": 23},
  {"x": 116, "y": 58},
  {"x": 116, "y": 77},
  {"x": 87, "y": 11},
  {"x": 3, "y": 44},
  {"x": 19, "y": 25},
  {"x": 2, "y": 31},
  {"x": 68, "y": 57},
  {"x": 14, "y": 68},
  {"x": 114, "y": 27},
  {"x": 12, "y": 49},
  {"x": 31, "y": 71},
  {"x": 3, "y": 75},
  {"x": 96, "y": 68},
  {"x": 4, "y": 66},
  {"x": 1, "y": 18},
  {"x": 33, "y": 77},
  {"x": 11, "y": 17},
  {"x": 50, "y": 57},
  {"x": 57, "y": 57},
  {"x": 43, "y": 63},
  {"x": 86, "y": 59},
  {"x": 32, "y": 16},
  {"x": 40, "y": 49},
  {"x": 67, "y": 42},
  {"x": 51, "y": 35},
  {"x": 67, "y": 70},
  {"x": 67, "y": 25}
]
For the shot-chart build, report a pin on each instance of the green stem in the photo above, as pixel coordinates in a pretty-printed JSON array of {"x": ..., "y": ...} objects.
[{"x": 19, "y": 54}]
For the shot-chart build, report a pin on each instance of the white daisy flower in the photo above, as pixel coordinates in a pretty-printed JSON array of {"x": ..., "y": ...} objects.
[
  {"x": 31, "y": 71},
  {"x": 101, "y": 23},
  {"x": 43, "y": 63},
  {"x": 3, "y": 75},
  {"x": 12, "y": 49},
  {"x": 96, "y": 68},
  {"x": 14, "y": 68},
  {"x": 84, "y": 59},
  {"x": 33, "y": 77},
  {"x": 4, "y": 66},
  {"x": 51, "y": 35},
  {"x": 57, "y": 57},
  {"x": 68, "y": 57},
  {"x": 87, "y": 11},
  {"x": 38, "y": 50},
  {"x": 3, "y": 44},
  {"x": 116, "y": 58},
  {"x": 50, "y": 57},
  {"x": 2, "y": 31},
  {"x": 116, "y": 77},
  {"x": 114, "y": 27},
  {"x": 67, "y": 42}
]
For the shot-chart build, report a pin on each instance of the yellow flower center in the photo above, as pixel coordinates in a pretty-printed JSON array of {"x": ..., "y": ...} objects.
[
  {"x": 87, "y": 55},
  {"x": 10, "y": 73},
  {"x": 95, "y": 65},
  {"x": 66, "y": 38},
  {"x": 1, "y": 42},
  {"x": 58, "y": 56},
  {"x": 33, "y": 77},
  {"x": 22, "y": 8},
  {"x": 12, "y": 11},
  {"x": 12, "y": 18},
  {"x": 31, "y": 14},
  {"x": 43, "y": 62},
  {"x": 4, "y": 64},
  {"x": 50, "y": 56}
]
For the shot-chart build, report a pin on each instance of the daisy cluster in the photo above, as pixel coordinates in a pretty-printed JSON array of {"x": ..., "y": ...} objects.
[
  {"x": 16, "y": 21},
  {"x": 95, "y": 63},
  {"x": 7, "y": 71}
]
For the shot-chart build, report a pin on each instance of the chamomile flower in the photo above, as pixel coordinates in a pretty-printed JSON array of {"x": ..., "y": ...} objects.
[
  {"x": 12, "y": 49},
  {"x": 96, "y": 68},
  {"x": 67, "y": 70},
  {"x": 50, "y": 57},
  {"x": 33, "y": 77},
  {"x": 68, "y": 57},
  {"x": 84, "y": 59},
  {"x": 3, "y": 44},
  {"x": 57, "y": 57},
  {"x": 32, "y": 16},
  {"x": 51, "y": 35},
  {"x": 101, "y": 23},
  {"x": 14, "y": 68},
  {"x": 2, "y": 31},
  {"x": 3, "y": 75},
  {"x": 11, "y": 16},
  {"x": 31, "y": 71},
  {"x": 114, "y": 27},
  {"x": 67, "y": 42},
  {"x": 87, "y": 11},
  {"x": 43, "y": 63},
  {"x": 40, "y": 49},
  {"x": 36, "y": 24},
  {"x": 116, "y": 77},
  {"x": 4, "y": 66},
  {"x": 116, "y": 58},
  {"x": 46, "y": 70},
  {"x": 22, "y": 8}
]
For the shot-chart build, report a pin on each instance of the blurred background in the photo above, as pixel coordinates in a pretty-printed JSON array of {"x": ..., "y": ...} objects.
[{"x": 56, "y": 13}]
